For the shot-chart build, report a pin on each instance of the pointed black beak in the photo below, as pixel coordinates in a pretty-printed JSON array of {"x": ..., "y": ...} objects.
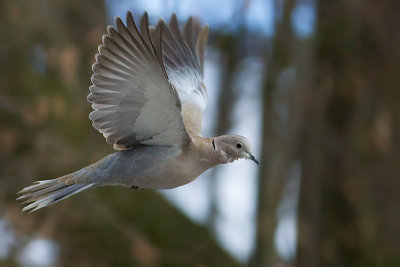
[{"x": 254, "y": 159}]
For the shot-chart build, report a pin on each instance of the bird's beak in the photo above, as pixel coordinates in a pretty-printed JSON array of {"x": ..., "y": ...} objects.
[{"x": 251, "y": 157}]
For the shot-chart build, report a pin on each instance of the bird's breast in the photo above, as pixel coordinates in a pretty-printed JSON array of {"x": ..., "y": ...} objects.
[{"x": 182, "y": 170}]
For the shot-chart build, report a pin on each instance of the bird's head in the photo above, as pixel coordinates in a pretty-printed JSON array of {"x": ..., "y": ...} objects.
[{"x": 233, "y": 147}]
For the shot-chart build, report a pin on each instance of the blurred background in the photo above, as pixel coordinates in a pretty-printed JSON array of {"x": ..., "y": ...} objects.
[{"x": 315, "y": 84}]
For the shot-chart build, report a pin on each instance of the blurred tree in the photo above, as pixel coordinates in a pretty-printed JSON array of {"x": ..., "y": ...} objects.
[
  {"x": 228, "y": 47},
  {"x": 274, "y": 152},
  {"x": 349, "y": 146}
]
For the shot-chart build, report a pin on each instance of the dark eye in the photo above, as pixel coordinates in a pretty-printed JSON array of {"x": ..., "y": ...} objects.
[{"x": 238, "y": 145}]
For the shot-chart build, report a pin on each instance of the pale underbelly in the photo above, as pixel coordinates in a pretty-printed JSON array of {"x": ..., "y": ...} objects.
[
  {"x": 168, "y": 175},
  {"x": 150, "y": 167}
]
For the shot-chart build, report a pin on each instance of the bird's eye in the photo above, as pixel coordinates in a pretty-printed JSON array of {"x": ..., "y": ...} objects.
[{"x": 238, "y": 145}]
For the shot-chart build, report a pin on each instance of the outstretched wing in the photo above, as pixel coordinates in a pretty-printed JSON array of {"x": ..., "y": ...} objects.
[
  {"x": 183, "y": 55},
  {"x": 133, "y": 102}
]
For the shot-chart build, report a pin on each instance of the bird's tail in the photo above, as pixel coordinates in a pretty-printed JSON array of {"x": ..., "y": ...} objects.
[{"x": 47, "y": 192}]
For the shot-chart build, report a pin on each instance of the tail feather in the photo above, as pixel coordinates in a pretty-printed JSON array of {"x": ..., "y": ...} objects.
[
  {"x": 34, "y": 193},
  {"x": 48, "y": 192}
]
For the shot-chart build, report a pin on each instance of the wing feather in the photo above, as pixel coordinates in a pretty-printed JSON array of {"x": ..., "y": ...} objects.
[
  {"x": 183, "y": 53},
  {"x": 133, "y": 102}
]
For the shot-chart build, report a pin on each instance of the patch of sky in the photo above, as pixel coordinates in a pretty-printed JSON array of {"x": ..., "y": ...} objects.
[
  {"x": 303, "y": 18},
  {"x": 286, "y": 232},
  {"x": 224, "y": 14},
  {"x": 39, "y": 252},
  {"x": 7, "y": 238}
]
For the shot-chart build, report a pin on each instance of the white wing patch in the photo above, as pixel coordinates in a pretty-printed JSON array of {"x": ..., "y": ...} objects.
[
  {"x": 189, "y": 84},
  {"x": 183, "y": 56}
]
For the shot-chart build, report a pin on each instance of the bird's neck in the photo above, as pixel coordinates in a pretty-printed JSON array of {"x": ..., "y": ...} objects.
[{"x": 207, "y": 152}]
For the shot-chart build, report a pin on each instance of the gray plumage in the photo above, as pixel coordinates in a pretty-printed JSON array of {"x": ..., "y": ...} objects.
[{"x": 147, "y": 97}]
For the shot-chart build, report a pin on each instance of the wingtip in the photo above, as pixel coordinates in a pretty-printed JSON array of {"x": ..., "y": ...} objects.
[
  {"x": 92, "y": 78},
  {"x": 110, "y": 30},
  {"x": 173, "y": 17},
  {"x": 174, "y": 23},
  {"x": 104, "y": 38},
  {"x": 118, "y": 19},
  {"x": 129, "y": 14},
  {"x": 100, "y": 47},
  {"x": 161, "y": 21},
  {"x": 144, "y": 21},
  {"x": 119, "y": 23}
]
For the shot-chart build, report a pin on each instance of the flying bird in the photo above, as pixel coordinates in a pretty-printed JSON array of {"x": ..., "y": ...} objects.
[{"x": 147, "y": 96}]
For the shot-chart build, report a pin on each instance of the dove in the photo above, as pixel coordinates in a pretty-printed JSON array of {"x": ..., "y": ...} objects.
[{"x": 147, "y": 96}]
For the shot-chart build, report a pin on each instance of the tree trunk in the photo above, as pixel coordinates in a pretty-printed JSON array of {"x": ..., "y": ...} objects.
[
  {"x": 348, "y": 213},
  {"x": 273, "y": 152}
]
